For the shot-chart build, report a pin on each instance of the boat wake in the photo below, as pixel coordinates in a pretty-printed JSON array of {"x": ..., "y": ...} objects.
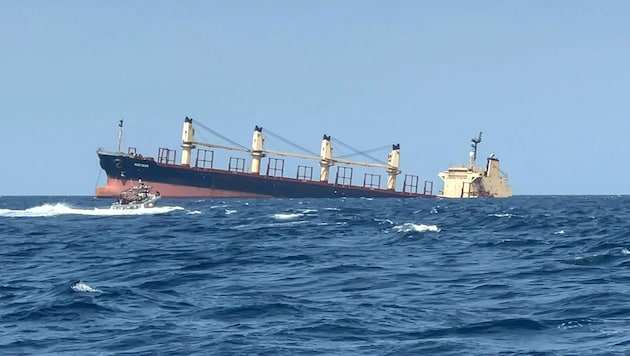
[{"x": 63, "y": 209}]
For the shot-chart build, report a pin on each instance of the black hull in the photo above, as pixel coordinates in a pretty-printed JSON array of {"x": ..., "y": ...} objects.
[{"x": 183, "y": 181}]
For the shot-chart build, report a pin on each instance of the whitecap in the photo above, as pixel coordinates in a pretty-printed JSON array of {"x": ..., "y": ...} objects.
[
  {"x": 382, "y": 221},
  {"x": 503, "y": 215},
  {"x": 408, "y": 227},
  {"x": 228, "y": 211},
  {"x": 194, "y": 212},
  {"x": 561, "y": 232},
  {"x": 84, "y": 287},
  {"x": 331, "y": 223},
  {"x": 625, "y": 251},
  {"x": 573, "y": 324},
  {"x": 308, "y": 211},
  {"x": 287, "y": 216}
]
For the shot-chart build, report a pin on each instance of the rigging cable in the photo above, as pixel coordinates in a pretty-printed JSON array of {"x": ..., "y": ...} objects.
[
  {"x": 291, "y": 143},
  {"x": 382, "y": 148},
  {"x": 197, "y": 123},
  {"x": 357, "y": 151}
]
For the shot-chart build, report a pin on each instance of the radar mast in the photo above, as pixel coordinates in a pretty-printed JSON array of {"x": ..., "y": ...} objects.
[
  {"x": 120, "y": 133},
  {"x": 473, "y": 153}
]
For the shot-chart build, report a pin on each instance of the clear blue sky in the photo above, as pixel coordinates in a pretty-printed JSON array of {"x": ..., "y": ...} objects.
[{"x": 546, "y": 81}]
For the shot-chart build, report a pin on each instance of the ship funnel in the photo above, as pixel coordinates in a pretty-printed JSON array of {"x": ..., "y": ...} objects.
[{"x": 188, "y": 138}]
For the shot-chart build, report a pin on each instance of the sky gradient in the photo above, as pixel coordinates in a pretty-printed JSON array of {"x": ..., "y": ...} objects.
[{"x": 547, "y": 83}]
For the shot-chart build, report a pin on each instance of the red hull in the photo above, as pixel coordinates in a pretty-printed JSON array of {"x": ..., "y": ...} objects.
[{"x": 114, "y": 187}]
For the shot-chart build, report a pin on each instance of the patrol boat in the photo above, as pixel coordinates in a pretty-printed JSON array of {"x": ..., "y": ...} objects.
[{"x": 136, "y": 197}]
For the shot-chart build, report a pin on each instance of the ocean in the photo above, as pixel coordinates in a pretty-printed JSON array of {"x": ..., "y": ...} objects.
[{"x": 529, "y": 275}]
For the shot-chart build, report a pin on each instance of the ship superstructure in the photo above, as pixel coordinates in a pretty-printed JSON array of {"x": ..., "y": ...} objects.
[
  {"x": 472, "y": 181},
  {"x": 264, "y": 177}
]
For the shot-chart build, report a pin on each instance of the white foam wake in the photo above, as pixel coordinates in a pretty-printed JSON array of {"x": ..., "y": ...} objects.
[
  {"x": 409, "y": 227},
  {"x": 63, "y": 209}
]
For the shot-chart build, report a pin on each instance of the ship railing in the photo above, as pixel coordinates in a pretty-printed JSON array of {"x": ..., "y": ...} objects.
[
  {"x": 410, "y": 184},
  {"x": 236, "y": 165},
  {"x": 275, "y": 167},
  {"x": 304, "y": 173},
  {"x": 343, "y": 176},
  {"x": 203, "y": 161},
  {"x": 167, "y": 156},
  {"x": 428, "y": 187},
  {"x": 372, "y": 181}
]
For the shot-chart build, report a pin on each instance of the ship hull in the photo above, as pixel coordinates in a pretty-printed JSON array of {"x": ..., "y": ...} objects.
[{"x": 179, "y": 181}]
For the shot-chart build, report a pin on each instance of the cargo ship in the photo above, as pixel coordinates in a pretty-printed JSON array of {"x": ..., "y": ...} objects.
[
  {"x": 199, "y": 178},
  {"x": 472, "y": 181}
]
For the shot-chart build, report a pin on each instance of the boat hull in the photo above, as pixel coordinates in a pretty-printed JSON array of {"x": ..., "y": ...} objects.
[
  {"x": 180, "y": 181},
  {"x": 149, "y": 203}
]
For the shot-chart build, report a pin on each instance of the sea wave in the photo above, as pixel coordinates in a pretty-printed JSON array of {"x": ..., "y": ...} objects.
[{"x": 317, "y": 276}]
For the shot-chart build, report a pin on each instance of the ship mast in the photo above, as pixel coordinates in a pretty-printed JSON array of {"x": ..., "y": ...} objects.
[
  {"x": 325, "y": 161},
  {"x": 120, "y": 132},
  {"x": 188, "y": 135},
  {"x": 473, "y": 153},
  {"x": 258, "y": 142}
]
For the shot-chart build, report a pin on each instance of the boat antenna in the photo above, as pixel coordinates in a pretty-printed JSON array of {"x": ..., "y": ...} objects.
[
  {"x": 473, "y": 153},
  {"x": 120, "y": 131}
]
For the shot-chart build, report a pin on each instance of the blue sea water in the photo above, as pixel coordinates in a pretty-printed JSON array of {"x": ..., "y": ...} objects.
[{"x": 530, "y": 275}]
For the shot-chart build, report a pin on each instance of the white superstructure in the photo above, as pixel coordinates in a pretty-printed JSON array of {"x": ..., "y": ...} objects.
[{"x": 473, "y": 181}]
